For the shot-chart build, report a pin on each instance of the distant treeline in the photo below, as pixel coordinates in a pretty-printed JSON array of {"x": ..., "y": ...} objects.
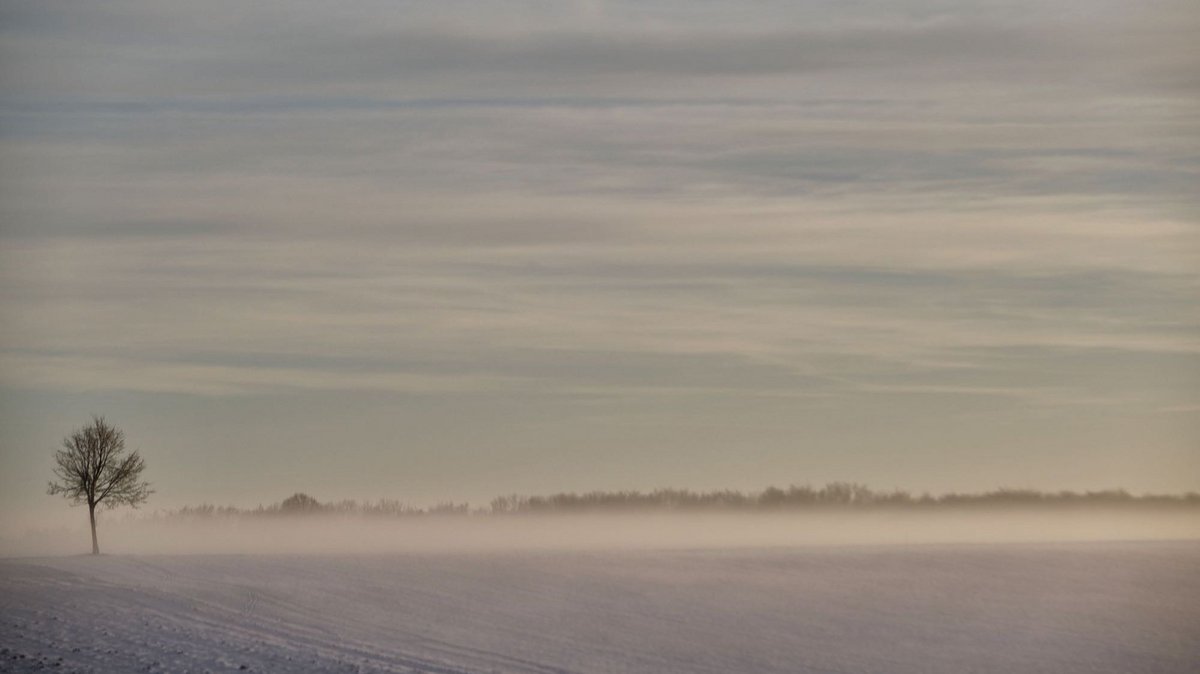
[
  {"x": 303, "y": 504},
  {"x": 832, "y": 496}
]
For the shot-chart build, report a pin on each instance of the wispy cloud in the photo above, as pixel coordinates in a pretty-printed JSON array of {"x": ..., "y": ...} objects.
[{"x": 673, "y": 207}]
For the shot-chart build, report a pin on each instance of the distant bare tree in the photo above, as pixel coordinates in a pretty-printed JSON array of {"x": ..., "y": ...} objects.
[
  {"x": 300, "y": 503},
  {"x": 92, "y": 468}
]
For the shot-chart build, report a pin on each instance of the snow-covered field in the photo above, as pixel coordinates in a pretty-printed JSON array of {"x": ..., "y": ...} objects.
[{"x": 1073, "y": 607}]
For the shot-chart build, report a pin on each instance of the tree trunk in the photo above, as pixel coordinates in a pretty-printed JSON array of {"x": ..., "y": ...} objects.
[{"x": 92, "y": 517}]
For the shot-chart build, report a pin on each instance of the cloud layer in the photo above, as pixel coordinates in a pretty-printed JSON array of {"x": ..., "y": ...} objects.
[{"x": 651, "y": 209}]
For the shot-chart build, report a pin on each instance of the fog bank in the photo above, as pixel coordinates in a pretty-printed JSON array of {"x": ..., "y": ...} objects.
[{"x": 334, "y": 534}]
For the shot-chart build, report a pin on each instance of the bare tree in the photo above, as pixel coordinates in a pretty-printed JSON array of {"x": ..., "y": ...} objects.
[{"x": 92, "y": 468}]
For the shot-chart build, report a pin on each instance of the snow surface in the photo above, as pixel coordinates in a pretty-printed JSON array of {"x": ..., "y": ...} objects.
[{"x": 1079, "y": 607}]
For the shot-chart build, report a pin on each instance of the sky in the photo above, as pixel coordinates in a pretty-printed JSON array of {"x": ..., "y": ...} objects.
[{"x": 444, "y": 250}]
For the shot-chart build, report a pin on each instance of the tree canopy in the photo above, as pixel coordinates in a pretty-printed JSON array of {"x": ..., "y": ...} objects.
[{"x": 92, "y": 468}]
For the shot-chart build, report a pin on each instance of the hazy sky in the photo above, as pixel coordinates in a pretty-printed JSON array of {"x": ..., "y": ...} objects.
[{"x": 446, "y": 250}]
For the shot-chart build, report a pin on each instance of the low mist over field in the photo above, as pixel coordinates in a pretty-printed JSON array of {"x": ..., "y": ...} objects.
[
  {"x": 837, "y": 514},
  {"x": 345, "y": 535}
]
